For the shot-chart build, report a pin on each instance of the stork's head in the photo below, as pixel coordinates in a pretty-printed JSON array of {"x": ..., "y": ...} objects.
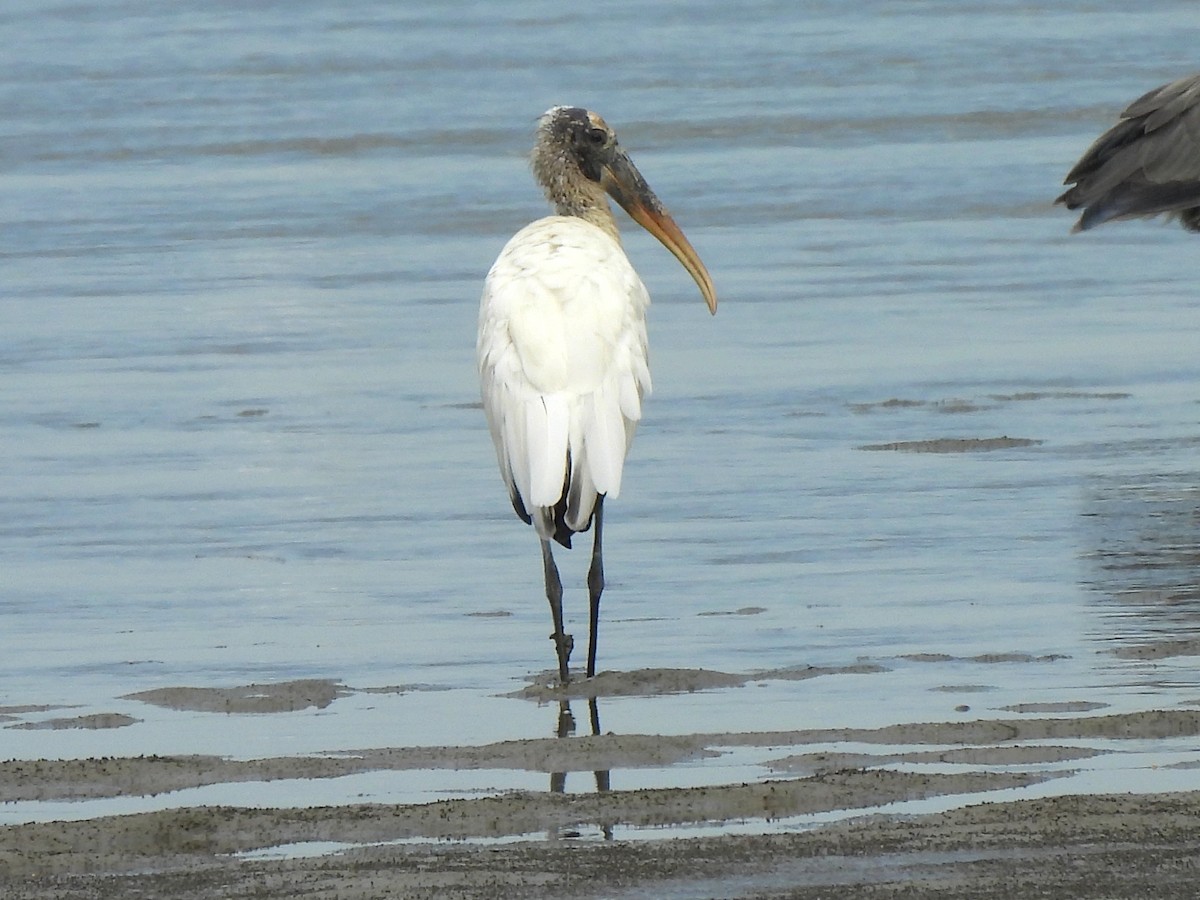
[{"x": 576, "y": 149}]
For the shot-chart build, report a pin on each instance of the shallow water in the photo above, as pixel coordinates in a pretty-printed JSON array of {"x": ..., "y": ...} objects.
[{"x": 242, "y": 256}]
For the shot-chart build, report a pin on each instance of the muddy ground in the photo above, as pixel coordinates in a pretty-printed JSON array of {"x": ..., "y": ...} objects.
[
  {"x": 529, "y": 844},
  {"x": 1065, "y": 847}
]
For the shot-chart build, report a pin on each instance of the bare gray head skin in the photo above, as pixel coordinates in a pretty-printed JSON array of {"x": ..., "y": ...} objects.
[
  {"x": 569, "y": 153},
  {"x": 1148, "y": 164},
  {"x": 577, "y": 161}
]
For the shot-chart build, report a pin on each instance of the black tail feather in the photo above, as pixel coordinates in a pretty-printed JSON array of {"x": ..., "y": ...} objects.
[{"x": 562, "y": 532}]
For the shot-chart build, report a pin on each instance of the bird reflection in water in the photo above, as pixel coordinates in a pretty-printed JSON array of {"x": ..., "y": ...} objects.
[
  {"x": 1143, "y": 564},
  {"x": 558, "y": 780}
]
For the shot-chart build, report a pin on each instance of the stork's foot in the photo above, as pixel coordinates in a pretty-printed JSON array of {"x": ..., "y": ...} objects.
[{"x": 563, "y": 645}]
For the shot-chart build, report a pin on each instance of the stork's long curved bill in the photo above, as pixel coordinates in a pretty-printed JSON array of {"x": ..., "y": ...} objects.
[{"x": 625, "y": 184}]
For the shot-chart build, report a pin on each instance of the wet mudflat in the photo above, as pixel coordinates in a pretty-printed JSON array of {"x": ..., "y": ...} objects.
[
  {"x": 551, "y": 844},
  {"x": 836, "y": 813}
]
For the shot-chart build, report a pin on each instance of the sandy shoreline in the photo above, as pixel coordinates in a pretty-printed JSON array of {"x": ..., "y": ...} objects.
[{"x": 550, "y": 844}]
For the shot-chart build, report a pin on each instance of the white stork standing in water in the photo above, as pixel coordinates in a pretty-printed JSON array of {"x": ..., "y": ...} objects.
[
  {"x": 562, "y": 345},
  {"x": 1146, "y": 164}
]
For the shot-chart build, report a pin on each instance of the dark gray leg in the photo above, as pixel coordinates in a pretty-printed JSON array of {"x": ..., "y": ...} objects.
[
  {"x": 563, "y": 643},
  {"x": 595, "y": 582}
]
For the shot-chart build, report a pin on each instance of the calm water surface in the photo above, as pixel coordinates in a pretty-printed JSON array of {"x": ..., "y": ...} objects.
[{"x": 241, "y": 259}]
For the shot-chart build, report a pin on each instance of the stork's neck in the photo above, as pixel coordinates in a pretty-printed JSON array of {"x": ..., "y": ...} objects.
[{"x": 571, "y": 193}]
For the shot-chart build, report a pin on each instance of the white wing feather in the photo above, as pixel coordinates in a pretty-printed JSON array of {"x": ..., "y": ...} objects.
[{"x": 563, "y": 366}]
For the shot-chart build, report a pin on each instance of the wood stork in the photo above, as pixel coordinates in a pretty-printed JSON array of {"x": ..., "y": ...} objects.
[
  {"x": 1146, "y": 164},
  {"x": 562, "y": 345}
]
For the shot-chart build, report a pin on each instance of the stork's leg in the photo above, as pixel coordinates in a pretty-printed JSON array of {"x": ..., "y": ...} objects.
[
  {"x": 563, "y": 643},
  {"x": 595, "y": 580}
]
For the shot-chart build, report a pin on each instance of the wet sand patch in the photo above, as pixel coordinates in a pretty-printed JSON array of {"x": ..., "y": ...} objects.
[
  {"x": 1054, "y": 707},
  {"x": 639, "y": 682},
  {"x": 369, "y": 850},
  {"x": 1017, "y": 755},
  {"x": 661, "y": 682},
  {"x": 284, "y": 696},
  {"x": 148, "y": 775},
  {"x": 743, "y": 611},
  {"x": 956, "y": 404},
  {"x": 1025, "y": 396},
  {"x": 93, "y": 722},
  {"x": 1151, "y": 724},
  {"x": 986, "y": 658},
  {"x": 1159, "y": 649},
  {"x": 801, "y": 673},
  {"x": 949, "y": 405},
  {"x": 964, "y": 688},
  {"x": 400, "y": 688},
  {"x": 132, "y": 776},
  {"x": 182, "y": 837},
  {"x": 1112, "y": 846},
  {"x": 21, "y": 709},
  {"x": 954, "y": 445},
  {"x": 890, "y": 403}
]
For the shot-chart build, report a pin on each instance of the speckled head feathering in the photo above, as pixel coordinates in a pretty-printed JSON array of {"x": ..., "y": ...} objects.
[
  {"x": 573, "y": 142},
  {"x": 577, "y": 160}
]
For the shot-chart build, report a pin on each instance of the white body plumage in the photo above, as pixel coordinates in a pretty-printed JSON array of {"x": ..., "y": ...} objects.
[{"x": 563, "y": 366}]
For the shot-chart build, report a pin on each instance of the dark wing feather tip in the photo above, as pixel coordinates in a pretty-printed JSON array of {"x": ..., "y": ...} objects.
[{"x": 1147, "y": 164}]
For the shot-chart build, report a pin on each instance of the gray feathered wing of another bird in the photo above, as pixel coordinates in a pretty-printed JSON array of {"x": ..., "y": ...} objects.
[{"x": 1147, "y": 164}]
